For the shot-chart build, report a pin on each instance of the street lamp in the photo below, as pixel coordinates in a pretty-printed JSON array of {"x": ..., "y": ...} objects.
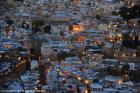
[
  {"x": 86, "y": 81},
  {"x": 19, "y": 58},
  {"x": 79, "y": 78},
  {"x": 86, "y": 91}
]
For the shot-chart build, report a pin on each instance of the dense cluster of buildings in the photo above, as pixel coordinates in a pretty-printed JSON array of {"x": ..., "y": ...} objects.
[{"x": 69, "y": 46}]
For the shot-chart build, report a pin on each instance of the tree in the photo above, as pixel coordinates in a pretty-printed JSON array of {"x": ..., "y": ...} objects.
[
  {"x": 123, "y": 12},
  {"x": 37, "y": 24},
  {"x": 47, "y": 29},
  {"x": 125, "y": 68},
  {"x": 130, "y": 13},
  {"x": 135, "y": 11},
  {"x": 98, "y": 17},
  {"x": 135, "y": 75},
  {"x": 42, "y": 74}
]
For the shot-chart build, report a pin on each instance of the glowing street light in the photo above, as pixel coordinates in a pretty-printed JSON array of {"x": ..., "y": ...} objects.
[
  {"x": 79, "y": 78},
  {"x": 19, "y": 58},
  {"x": 86, "y": 91},
  {"x": 134, "y": 55},
  {"x": 86, "y": 81},
  {"x": 134, "y": 25},
  {"x": 119, "y": 35}
]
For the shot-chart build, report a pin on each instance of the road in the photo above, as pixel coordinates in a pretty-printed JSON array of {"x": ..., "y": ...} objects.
[{"x": 13, "y": 72}]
